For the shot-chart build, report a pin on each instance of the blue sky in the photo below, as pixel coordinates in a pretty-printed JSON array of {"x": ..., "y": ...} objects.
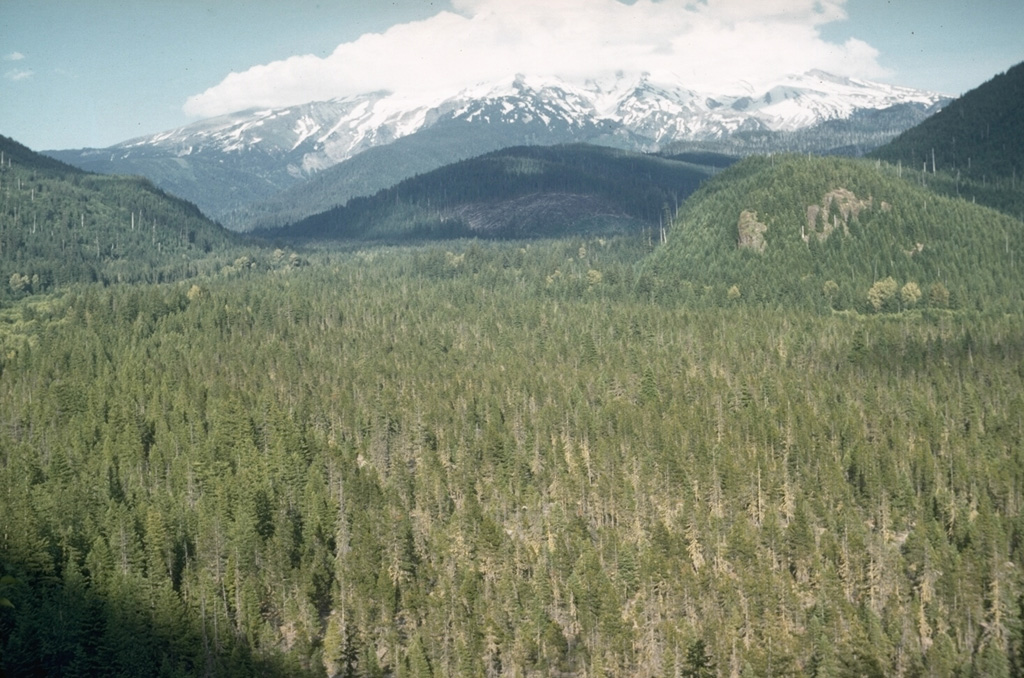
[{"x": 77, "y": 73}]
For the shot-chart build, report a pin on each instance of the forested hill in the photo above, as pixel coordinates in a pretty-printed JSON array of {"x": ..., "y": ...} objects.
[
  {"x": 975, "y": 144},
  {"x": 850, "y": 234},
  {"x": 524, "y": 191},
  {"x": 980, "y": 134},
  {"x": 16, "y": 154},
  {"x": 60, "y": 225}
]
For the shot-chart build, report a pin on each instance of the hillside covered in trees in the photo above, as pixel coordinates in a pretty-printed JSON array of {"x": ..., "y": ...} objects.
[
  {"x": 60, "y": 225},
  {"x": 525, "y": 191},
  {"x": 823, "y": 232},
  {"x": 973, "y": 148}
]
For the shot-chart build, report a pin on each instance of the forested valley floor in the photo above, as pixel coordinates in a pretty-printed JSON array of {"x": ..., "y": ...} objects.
[{"x": 503, "y": 460}]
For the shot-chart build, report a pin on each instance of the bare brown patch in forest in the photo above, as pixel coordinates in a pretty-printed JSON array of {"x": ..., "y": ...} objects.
[
  {"x": 838, "y": 207},
  {"x": 750, "y": 232},
  {"x": 916, "y": 249}
]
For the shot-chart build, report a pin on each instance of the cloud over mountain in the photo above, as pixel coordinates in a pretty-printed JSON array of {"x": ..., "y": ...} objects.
[{"x": 710, "y": 43}]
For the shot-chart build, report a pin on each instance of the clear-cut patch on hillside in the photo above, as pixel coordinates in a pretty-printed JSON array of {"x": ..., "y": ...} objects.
[
  {"x": 836, "y": 210},
  {"x": 750, "y": 232}
]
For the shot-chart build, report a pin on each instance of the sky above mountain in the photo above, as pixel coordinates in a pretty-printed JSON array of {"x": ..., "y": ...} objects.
[{"x": 76, "y": 74}]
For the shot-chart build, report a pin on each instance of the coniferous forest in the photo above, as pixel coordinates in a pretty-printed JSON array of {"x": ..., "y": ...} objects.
[
  {"x": 60, "y": 225},
  {"x": 437, "y": 462},
  {"x": 779, "y": 434}
]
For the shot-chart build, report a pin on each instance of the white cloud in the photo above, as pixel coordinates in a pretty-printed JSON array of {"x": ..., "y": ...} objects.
[
  {"x": 14, "y": 56},
  {"x": 708, "y": 43},
  {"x": 17, "y": 74}
]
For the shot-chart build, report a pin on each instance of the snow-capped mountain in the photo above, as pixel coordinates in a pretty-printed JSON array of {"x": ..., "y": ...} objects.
[
  {"x": 277, "y": 148},
  {"x": 309, "y": 137},
  {"x": 320, "y": 134}
]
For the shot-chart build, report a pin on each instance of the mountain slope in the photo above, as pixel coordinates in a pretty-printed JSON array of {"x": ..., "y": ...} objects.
[
  {"x": 974, "y": 147},
  {"x": 979, "y": 134},
  {"x": 263, "y": 152},
  {"x": 863, "y": 131},
  {"x": 380, "y": 167},
  {"x": 233, "y": 160},
  {"x": 517, "y": 192},
  {"x": 59, "y": 224},
  {"x": 780, "y": 229}
]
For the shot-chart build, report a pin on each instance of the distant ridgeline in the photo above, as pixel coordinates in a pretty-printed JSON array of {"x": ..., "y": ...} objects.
[
  {"x": 526, "y": 191},
  {"x": 60, "y": 225},
  {"x": 973, "y": 148},
  {"x": 862, "y": 132},
  {"x": 840, "y": 233}
]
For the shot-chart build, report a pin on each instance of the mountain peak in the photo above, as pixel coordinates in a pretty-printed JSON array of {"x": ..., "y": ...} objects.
[{"x": 818, "y": 74}]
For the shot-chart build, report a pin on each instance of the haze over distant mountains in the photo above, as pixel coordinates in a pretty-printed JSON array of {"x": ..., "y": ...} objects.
[{"x": 231, "y": 162}]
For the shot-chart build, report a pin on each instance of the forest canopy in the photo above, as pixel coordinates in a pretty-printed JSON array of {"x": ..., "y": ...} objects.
[{"x": 490, "y": 458}]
